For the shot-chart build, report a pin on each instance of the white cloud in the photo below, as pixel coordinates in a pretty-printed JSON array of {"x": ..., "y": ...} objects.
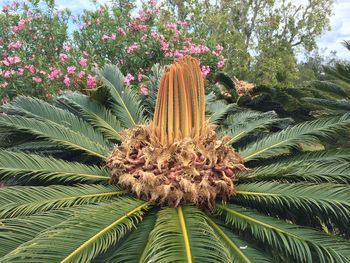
[{"x": 340, "y": 23}]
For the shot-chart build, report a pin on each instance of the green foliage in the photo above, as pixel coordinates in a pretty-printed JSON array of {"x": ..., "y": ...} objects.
[{"x": 57, "y": 206}]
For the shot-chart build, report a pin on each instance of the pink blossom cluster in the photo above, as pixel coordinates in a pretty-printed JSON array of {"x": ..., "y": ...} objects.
[
  {"x": 14, "y": 45},
  {"x": 130, "y": 49},
  {"x": 128, "y": 78}
]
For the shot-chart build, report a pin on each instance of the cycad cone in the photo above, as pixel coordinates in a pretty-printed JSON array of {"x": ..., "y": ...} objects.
[{"x": 177, "y": 158}]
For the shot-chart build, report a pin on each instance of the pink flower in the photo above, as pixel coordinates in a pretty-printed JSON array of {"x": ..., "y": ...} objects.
[
  {"x": 81, "y": 74},
  {"x": 91, "y": 81},
  {"x": 132, "y": 48},
  {"x": 104, "y": 37},
  {"x": 70, "y": 69},
  {"x": 20, "y": 71},
  {"x": 5, "y": 8},
  {"x": 221, "y": 62},
  {"x": 31, "y": 68},
  {"x": 13, "y": 60},
  {"x": 7, "y": 73},
  {"x": 139, "y": 75},
  {"x": 171, "y": 26},
  {"x": 14, "y": 4},
  {"x": 143, "y": 90},
  {"x": 37, "y": 79},
  {"x": 205, "y": 70},
  {"x": 21, "y": 23},
  {"x": 178, "y": 54},
  {"x": 54, "y": 74},
  {"x": 66, "y": 80},
  {"x": 82, "y": 62},
  {"x": 219, "y": 48},
  {"x": 163, "y": 45},
  {"x": 153, "y": 2},
  {"x": 141, "y": 16},
  {"x": 128, "y": 78},
  {"x": 63, "y": 57},
  {"x": 113, "y": 36},
  {"x": 121, "y": 31},
  {"x": 15, "y": 45}
]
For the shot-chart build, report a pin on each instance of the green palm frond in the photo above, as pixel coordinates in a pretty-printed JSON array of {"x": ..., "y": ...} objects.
[
  {"x": 241, "y": 250},
  {"x": 333, "y": 171},
  {"x": 215, "y": 111},
  {"x": 17, "y": 200},
  {"x": 122, "y": 100},
  {"x": 45, "y": 112},
  {"x": 16, "y": 231},
  {"x": 292, "y": 137},
  {"x": 97, "y": 115},
  {"x": 337, "y": 106},
  {"x": 325, "y": 201},
  {"x": 301, "y": 243},
  {"x": 53, "y": 133},
  {"x": 135, "y": 246},
  {"x": 331, "y": 90},
  {"x": 91, "y": 231},
  {"x": 30, "y": 167},
  {"x": 182, "y": 235},
  {"x": 244, "y": 123}
]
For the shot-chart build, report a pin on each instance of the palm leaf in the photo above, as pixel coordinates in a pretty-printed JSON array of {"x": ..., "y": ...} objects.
[
  {"x": 241, "y": 250},
  {"x": 215, "y": 111},
  {"x": 17, "y": 200},
  {"x": 53, "y": 133},
  {"x": 299, "y": 244},
  {"x": 16, "y": 231},
  {"x": 97, "y": 115},
  {"x": 123, "y": 101},
  {"x": 291, "y": 137},
  {"x": 82, "y": 237},
  {"x": 299, "y": 200},
  {"x": 134, "y": 247},
  {"x": 41, "y": 110},
  {"x": 244, "y": 123},
  {"x": 31, "y": 167},
  {"x": 333, "y": 171},
  {"x": 183, "y": 235}
]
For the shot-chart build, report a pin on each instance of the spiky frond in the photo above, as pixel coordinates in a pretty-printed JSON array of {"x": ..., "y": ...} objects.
[
  {"x": 328, "y": 202},
  {"x": 31, "y": 168},
  {"x": 123, "y": 101},
  {"x": 101, "y": 118},
  {"x": 334, "y": 171},
  {"x": 52, "y": 133},
  {"x": 178, "y": 237},
  {"x": 301, "y": 243},
  {"x": 244, "y": 123},
  {"x": 92, "y": 230},
  {"x": 17, "y": 200},
  {"x": 304, "y": 133},
  {"x": 45, "y": 112}
]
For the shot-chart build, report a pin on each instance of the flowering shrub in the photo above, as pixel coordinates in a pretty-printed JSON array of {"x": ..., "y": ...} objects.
[{"x": 38, "y": 57}]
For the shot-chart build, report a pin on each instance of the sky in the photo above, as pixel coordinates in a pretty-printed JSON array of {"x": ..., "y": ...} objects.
[{"x": 329, "y": 41}]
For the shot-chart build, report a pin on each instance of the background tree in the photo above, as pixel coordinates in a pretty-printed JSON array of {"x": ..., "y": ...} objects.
[{"x": 255, "y": 32}]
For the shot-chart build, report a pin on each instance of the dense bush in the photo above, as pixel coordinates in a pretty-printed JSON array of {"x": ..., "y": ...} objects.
[{"x": 44, "y": 50}]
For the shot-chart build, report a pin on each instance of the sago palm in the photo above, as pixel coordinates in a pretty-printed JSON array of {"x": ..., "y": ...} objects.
[{"x": 90, "y": 179}]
